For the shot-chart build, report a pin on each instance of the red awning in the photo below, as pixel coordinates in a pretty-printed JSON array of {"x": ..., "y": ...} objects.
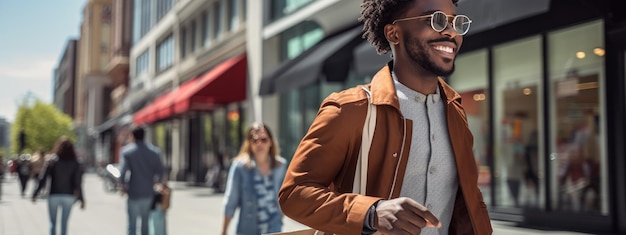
[{"x": 225, "y": 83}]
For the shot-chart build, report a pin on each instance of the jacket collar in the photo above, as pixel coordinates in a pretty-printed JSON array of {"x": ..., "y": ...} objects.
[{"x": 384, "y": 91}]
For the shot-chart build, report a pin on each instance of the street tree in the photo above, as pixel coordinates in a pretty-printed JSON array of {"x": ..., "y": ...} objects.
[{"x": 38, "y": 126}]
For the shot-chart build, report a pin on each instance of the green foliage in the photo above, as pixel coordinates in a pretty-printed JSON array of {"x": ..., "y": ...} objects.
[
  {"x": 42, "y": 124},
  {"x": 159, "y": 135},
  {"x": 4, "y": 152}
]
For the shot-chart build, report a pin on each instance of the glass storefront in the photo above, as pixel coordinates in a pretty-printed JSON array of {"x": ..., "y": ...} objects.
[
  {"x": 298, "y": 106},
  {"x": 578, "y": 155},
  {"x": 535, "y": 95},
  {"x": 470, "y": 80},
  {"x": 300, "y": 109},
  {"x": 517, "y": 75},
  {"x": 575, "y": 174}
]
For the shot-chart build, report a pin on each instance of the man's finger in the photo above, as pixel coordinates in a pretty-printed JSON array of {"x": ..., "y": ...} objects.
[{"x": 425, "y": 213}]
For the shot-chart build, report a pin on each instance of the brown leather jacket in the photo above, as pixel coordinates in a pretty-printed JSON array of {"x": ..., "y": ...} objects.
[{"x": 317, "y": 187}]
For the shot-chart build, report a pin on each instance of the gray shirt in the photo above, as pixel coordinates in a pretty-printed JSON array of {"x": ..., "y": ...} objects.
[{"x": 431, "y": 174}]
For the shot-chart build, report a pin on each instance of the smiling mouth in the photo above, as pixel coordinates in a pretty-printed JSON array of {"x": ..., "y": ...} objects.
[{"x": 445, "y": 49}]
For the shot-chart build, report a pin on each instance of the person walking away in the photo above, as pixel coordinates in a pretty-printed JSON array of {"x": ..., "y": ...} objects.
[
  {"x": 65, "y": 188},
  {"x": 37, "y": 161},
  {"x": 422, "y": 176},
  {"x": 23, "y": 172},
  {"x": 254, "y": 179},
  {"x": 143, "y": 162}
]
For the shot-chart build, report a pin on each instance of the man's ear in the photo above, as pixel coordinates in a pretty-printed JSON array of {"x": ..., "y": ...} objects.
[{"x": 392, "y": 34}]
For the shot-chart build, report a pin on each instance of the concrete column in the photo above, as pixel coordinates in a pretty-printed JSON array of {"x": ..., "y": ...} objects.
[{"x": 254, "y": 42}]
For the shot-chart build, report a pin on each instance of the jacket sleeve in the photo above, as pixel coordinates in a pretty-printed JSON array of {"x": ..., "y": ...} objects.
[
  {"x": 232, "y": 194},
  {"x": 306, "y": 195},
  {"x": 125, "y": 166}
]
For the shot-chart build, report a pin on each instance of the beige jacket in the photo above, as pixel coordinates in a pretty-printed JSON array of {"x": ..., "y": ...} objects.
[{"x": 317, "y": 187}]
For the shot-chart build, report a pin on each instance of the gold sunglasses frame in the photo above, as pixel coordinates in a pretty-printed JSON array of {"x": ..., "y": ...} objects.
[{"x": 454, "y": 17}]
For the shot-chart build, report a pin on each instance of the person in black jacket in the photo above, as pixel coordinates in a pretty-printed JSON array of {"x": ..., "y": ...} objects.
[
  {"x": 23, "y": 172},
  {"x": 65, "y": 176}
]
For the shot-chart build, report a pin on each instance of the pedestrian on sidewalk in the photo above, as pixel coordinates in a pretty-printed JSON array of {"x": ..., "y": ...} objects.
[
  {"x": 143, "y": 162},
  {"x": 36, "y": 163},
  {"x": 255, "y": 177},
  {"x": 23, "y": 172},
  {"x": 422, "y": 176},
  {"x": 65, "y": 175}
]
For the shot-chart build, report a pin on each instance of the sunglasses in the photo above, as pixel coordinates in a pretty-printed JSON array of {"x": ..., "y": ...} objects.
[
  {"x": 439, "y": 21},
  {"x": 260, "y": 140}
]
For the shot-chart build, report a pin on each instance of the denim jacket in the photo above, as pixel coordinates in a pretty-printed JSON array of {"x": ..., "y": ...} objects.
[{"x": 240, "y": 193}]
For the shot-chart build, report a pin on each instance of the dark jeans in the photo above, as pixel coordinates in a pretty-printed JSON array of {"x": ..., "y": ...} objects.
[{"x": 23, "y": 182}]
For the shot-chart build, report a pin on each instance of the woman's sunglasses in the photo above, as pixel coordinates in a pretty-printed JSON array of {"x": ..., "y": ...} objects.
[
  {"x": 260, "y": 140},
  {"x": 439, "y": 21}
]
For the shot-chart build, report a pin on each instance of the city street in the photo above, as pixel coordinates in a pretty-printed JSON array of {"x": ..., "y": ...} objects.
[{"x": 194, "y": 210}]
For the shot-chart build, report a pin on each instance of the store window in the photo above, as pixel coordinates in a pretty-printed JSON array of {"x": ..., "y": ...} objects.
[
  {"x": 205, "y": 24},
  {"x": 142, "y": 18},
  {"x": 470, "y": 80},
  {"x": 517, "y": 71},
  {"x": 162, "y": 139},
  {"x": 291, "y": 122},
  {"x": 578, "y": 154},
  {"x": 142, "y": 63},
  {"x": 233, "y": 14},
  {"x": 299, "y": 38},
  {"x": 217, "y": 20},
  {"x": 165, "y": 53},
  {"x": 236, "y": 128},
  {"x": 163, "y": 6},
  {"x": 297, "y": 104}
]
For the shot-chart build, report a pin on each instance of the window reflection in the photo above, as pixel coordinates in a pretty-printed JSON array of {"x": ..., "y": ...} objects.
[
  {"x": 517, "y": 159},
  {"x": 578, "y": 162}
]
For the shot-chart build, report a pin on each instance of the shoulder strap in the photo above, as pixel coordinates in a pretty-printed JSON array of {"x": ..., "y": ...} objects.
[{"x": 360, "y": 176}]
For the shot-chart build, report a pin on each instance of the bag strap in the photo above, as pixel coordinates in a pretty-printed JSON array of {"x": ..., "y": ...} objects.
[{"x": 360, "y": 174}]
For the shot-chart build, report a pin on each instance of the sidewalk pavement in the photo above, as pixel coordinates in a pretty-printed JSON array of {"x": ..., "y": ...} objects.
[{"x": 195, "y": 210}]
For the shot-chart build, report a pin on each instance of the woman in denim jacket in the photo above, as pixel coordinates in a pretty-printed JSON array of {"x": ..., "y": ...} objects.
[{"x": 254, "y": 179}]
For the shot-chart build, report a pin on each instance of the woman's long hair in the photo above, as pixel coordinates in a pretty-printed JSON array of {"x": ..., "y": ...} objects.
[
  {"x": 64, "y": 149},
  {"x": 245, "y": 153}
]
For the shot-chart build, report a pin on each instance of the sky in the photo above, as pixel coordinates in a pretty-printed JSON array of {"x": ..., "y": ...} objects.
[{"x": 33, "y": 37}]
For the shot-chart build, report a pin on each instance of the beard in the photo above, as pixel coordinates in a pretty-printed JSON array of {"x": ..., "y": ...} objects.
[{"x": 416, "y": 49}]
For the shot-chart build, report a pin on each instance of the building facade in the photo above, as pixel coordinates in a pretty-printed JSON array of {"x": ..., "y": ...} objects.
[
  {"x": 65, "y": 79},
  {"x": 542, "y": 85},
  {"x": 5, "y": 137},
  {"x": 112, "y": 133},
  {"x": 93, "y": 83},
  {"x": 187, "y": 81}
]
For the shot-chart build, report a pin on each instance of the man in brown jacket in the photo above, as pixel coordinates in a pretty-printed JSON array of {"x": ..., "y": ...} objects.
[{"x": 422, "y": 176}]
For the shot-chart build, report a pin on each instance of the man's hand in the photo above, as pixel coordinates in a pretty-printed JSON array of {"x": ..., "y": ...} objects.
[
  {"x": 82, "y": 205},
  {"x": 404, "y": 216}
]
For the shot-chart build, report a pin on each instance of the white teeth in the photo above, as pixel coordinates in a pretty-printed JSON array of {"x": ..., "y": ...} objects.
[{"x": 444, "y": 49}]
